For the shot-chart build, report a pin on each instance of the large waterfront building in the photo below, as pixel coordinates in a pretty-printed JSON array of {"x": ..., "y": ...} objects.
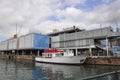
[{"x": 96, "y": 42}]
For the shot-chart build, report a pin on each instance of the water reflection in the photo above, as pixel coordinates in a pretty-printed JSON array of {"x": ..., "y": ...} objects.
[
  {"x": 63, "y": 72},
  {"x": 53, "y": 72},
  {"x": 28, "y": 70},
  {"x": 15, "y": 70}
]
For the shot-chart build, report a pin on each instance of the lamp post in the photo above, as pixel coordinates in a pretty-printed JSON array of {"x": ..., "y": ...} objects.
[{"x": 107, "y": 46}]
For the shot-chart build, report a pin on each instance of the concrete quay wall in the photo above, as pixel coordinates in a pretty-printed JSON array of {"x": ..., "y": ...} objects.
[
  {"x": 19, "y": 57},
  {"x": 103, "y": 60}
]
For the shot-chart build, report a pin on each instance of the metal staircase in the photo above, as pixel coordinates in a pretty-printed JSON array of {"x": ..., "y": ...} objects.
[{"x": 103, "y": 47}]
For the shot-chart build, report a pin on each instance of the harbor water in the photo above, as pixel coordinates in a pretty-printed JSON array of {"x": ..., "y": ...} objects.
[{"x": 28, "y": 70}]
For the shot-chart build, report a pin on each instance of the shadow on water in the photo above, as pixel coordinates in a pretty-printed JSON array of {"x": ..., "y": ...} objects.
[{"x": 28, "y": 70}]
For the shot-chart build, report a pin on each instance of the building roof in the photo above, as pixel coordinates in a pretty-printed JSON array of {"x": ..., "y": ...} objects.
[{"x": 66, "y": 30}]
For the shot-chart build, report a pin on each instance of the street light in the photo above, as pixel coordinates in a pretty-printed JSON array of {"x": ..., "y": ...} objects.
[{"x": 107, "y": 45}]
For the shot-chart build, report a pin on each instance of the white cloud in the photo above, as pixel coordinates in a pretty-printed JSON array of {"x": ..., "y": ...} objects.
[
  {"x": 106, "y": 1},
  {"x": 24, "y": 12},
  {"x": 103, "y": 14},
  {"x": 33, "y": 14},
  {"x": 73, "y": 2}
]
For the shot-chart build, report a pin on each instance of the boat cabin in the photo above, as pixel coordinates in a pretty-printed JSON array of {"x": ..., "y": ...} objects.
[
  {"x": 68, "y": 52},
  {"x": 51, "y": 53},
  {"x": 57, "y": 53}
]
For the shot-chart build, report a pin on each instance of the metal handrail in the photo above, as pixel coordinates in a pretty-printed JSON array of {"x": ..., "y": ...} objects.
[
  {"x": 102, "y": 46},
  {"x": 101, "y": 75}
]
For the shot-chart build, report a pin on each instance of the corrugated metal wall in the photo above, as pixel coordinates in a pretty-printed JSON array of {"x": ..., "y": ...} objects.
[
  {"x": 83, "y": 38},
  {"x": 55, "y": 39},
  {"x": 86, "y": 34},
  {"x": 4, "y": 45},
  {"x": 69, "y": 37},
  {"x": 21, "y": 42},
  {"x": 12, "y": 44},
  {"x": 62, "y": 44},
  {"x": 55, "y": 42},
  {"x": 94, "y": 33},
  {"x": 25, "y": 42},
  {"x": 29, "y": 41},
  {"x": 76, "y": 43},
  {"x": 38, "y": 41},
  {"x": 34, "y": 41},
  {"x": 55, "y": 45},
  {"x": 73, "y": 43}
]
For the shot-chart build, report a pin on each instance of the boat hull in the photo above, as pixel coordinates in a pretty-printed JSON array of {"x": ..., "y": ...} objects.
[{"x": 68, "y": 60}]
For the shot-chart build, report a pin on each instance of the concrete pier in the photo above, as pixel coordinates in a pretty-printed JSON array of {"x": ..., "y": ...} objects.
[
  {"x": 103, "y": 61},
  {"x": 17, "y": 57},
  {"x": 25, "y": 57}
]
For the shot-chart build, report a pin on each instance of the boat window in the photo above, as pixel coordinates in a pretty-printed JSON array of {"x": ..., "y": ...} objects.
[
  {"x": 58, "y": 55},
  {"x": 62, "y": 54},
  {"x": 44, "y": 55},
  {"x": 49, "y": 55}
]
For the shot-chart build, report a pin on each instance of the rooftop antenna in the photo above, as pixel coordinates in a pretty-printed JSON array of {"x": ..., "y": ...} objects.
[
  {"x": 15, "y": 35},
  {"x": 100, "y": 25},
  {"x": 117, "y": 29},
  {"x": 16, "y": 29},
  {"x": 20, "y": 29}
]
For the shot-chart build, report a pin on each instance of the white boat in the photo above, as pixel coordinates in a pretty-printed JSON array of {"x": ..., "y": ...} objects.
[{"x": 60, "y": 57}]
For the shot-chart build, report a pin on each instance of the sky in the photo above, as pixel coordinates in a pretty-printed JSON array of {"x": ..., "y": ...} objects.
[{"x": 42, "y": 16}]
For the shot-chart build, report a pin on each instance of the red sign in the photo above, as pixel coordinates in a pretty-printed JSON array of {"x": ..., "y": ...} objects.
[{"x": 51, "y": 51}]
